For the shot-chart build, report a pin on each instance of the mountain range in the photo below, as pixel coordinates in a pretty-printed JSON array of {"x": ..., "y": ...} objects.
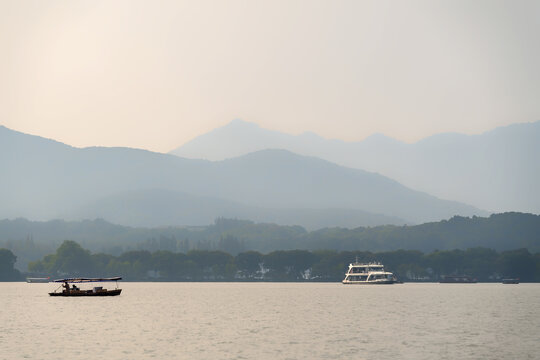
[
  {"x": 497, "y": 170},
  {"x": 44, "y": 179}
]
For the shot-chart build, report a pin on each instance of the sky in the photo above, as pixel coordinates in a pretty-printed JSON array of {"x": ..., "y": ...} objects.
[{"x": 156, "y": 74}]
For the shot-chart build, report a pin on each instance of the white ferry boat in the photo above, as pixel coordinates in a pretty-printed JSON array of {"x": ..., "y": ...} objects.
[{"x": 368, "y": 273}]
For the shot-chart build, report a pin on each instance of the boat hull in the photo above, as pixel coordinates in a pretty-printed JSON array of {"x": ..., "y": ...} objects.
[
  {"x": 510, "y": 281},
  {"x": 386, "y": 282},
  {"x": 114, "y": 292}
]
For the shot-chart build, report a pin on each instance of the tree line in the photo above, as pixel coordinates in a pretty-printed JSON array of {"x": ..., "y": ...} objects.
[
  {"x": 7, "y": 266},
  {"x": 485, "y": 264},
  {"x": 31, "y": 240}
]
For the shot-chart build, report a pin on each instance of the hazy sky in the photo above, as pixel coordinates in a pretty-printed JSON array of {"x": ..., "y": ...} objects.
[{"x": 155, "y": 74}]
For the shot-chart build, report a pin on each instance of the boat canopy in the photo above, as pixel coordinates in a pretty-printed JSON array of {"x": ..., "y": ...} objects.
[{"x": 86, "y": 280}]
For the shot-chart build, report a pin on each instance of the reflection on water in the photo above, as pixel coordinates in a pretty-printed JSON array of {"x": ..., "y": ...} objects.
[{"x": 273, "y": 321}]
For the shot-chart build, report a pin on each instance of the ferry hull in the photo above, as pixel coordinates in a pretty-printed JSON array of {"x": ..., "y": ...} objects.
[
  {"x": 386, "y": 282},
  {"x": 114, "y": 292}
]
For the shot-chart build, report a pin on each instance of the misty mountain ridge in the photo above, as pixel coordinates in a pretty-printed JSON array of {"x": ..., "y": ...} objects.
[
  {"x": 158, "y": 208},
  {"x": 45, "y": 179},
  {"x": 496, "y": 170}
]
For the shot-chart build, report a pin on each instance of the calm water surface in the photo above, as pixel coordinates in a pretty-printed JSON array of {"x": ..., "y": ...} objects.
[{"x": 273, "y": 321}]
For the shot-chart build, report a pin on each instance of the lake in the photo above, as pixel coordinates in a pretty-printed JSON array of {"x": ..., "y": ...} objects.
[{"x": 273, "y": 321}]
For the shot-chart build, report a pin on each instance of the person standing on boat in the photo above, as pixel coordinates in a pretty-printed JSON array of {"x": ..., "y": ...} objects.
[{"x": 66, "y": 286}]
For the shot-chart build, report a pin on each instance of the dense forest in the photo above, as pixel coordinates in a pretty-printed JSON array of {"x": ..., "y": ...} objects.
[
  {"x": 31, "y": 240},
  {"x": 71, "y": 259}
]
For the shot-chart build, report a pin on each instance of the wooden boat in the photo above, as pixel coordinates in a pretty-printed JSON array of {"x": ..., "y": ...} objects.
[{"x": 74, "y": 290}]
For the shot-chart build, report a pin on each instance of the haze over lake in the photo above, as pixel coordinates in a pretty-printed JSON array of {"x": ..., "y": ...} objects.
[{"x": 273, "y": 321}]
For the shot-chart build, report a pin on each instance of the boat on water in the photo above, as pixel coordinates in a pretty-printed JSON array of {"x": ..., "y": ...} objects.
[
  {"x": 74, "y": 290},
  {"x": 368, "y": 274},
  {"x": 457, "y": 279},
  {"x": 38, "y": 280},
  {"x": 510, "y": 281}
]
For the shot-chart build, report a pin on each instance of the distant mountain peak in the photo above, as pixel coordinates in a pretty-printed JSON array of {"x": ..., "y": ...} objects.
[
  {"x": 240, "y": 122},
  {"x": 494, "y": 170},
  {"x": 380, "y": 138},
  {"x": 311, "y": 135}
]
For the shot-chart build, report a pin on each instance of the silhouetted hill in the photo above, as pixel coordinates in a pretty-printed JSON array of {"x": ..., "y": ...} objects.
[
  {"x": 497, "y": 170},
  {"x": 499, "y": 231},
  {"x": 44, "y": 179},
  {"x": 278, "y": 178}
]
